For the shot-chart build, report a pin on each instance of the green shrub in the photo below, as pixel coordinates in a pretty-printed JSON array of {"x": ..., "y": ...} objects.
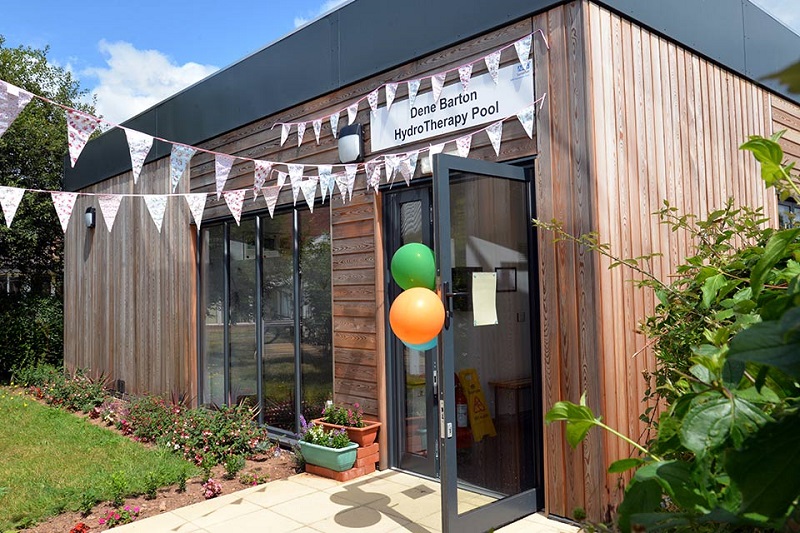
[
  {"x": 151, "y": 417},
  {"x": 37, "y": 375},
  {"x": 32, "y": 332},
  {"x": 119, "y": 488}
]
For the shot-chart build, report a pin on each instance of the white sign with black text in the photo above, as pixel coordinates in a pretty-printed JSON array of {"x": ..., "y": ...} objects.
[{"x": 483, "y": 102}]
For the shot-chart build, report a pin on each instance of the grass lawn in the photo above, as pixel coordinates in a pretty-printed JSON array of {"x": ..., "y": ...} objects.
[{"x": 52, "y": 461}]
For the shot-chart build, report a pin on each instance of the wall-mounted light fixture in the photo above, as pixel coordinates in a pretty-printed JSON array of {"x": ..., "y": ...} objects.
[
  {"x": 89, "y": 217},
  {"x": 351, "y": 144}
]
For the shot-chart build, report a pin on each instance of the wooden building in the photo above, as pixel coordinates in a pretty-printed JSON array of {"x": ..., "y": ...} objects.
[{"x": 635, "y": 105}]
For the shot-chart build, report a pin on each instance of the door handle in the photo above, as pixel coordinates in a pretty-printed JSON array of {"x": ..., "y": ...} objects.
[{"x": 447, "y": 300}]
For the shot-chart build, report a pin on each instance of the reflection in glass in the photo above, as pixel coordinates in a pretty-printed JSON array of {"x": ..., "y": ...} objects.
[
  {"x": 277, "y": 312},
  {"x": 315, "y": 311},
  {"x": 213, "y": 289},
  {"x": 489, "y": 230},
  {"x": 242, "y": 332}
]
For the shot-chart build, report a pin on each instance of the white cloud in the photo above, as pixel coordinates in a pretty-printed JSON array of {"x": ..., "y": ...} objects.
[
  {"x": 135, "y": 80},
  {"x": 784, "y": 10},
  {"x": 329, "y": 5}
]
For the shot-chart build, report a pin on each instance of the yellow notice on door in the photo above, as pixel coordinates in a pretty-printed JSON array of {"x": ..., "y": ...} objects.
[
  {"x": 484, "y": 298},
  {"x": 480, "y": 420}
]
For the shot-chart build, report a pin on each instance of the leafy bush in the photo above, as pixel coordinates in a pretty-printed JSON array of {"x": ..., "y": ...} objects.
[
  {"x": 233, "y": 465},
  {"x": 32, "y": 332},
  {"x": 343, "y": 416},
  {"x": 150, "y": 418}
]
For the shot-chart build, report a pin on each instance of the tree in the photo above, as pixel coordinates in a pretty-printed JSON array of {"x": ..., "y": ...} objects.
[{"x": 32, "y": 153}]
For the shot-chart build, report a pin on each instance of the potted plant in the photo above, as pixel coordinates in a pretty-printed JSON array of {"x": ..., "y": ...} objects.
[
  {"x": 364, "y": 432},
  {"x": 327, "y": 448}
]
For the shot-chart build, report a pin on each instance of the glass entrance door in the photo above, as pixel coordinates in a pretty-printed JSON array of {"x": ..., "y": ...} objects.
[
  {"x": 489, "y": 423},
  {"x": 414, "y": 372}
]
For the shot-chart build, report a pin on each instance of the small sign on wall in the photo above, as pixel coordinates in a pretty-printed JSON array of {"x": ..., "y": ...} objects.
[{"x": 483, "y": 102}]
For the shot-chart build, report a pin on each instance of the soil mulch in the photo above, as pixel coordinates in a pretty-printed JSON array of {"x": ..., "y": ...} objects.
[{"x": 279, "y": 464}]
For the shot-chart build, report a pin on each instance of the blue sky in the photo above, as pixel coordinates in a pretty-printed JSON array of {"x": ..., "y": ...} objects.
[{"x": 132, "y": 55}]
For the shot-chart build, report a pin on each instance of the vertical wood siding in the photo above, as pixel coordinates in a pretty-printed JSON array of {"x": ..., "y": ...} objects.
[
  {"x": 631, "y": 121},
  {"x": 786, "y": 116},
  {"x": 129, "y": 307}
]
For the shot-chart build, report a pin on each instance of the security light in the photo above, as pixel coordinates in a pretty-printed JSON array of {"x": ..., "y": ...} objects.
[
  {"x": 89, "y": 217},
  {"x": 351, "y": 144}
]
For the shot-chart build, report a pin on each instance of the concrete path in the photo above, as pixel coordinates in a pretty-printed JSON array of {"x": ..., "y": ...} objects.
[{"x": 382, "y": 502}]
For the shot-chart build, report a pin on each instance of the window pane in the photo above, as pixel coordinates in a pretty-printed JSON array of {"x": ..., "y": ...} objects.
[
  {"x": 213, "y": 289},
  {"x": 242, "y": 318},
  {"x": 277, "y": 311},
  {"x": 315, "y": 314}
]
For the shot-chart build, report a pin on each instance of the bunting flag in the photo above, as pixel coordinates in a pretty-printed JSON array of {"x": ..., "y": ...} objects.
[
  {"x": 391, "y": 91},
  {"x": 317, "y": 125},
  {"x": 79, "y": 128},
  {"x": 495, "y": 133},
  {"x": 285, "y": 128},
  {"x": 332, "y": 185},
  {"x": 352, "y": 111},
  {"x": 260, "y": 175},
  {"x": 325, "y": 179},
  {"x": 12, "y": 101},
  {"x": 373, "y": 174},
  {"x": 178, "y": 160},
  {"x": 437, "y": 81},
  {"x": 372, "y": 98},
  {"x": 434, "y": 149},
  {"x": 463, "y": 144},
  {"x": 391, "y": 162},
  {"x": 465, "y": 74},
  {"x": 523, "y": 47},
  {"x": 156, "y": 205},
  {"x": 335, "y": 124},
  {"x": 281, "y": 179},
  {"x": 295, "y": 176},
  {"x": 235, "y": 200},
  {"x": 271, "y": 196},
  {"x": 64, "y": 202},
  {"x": 526, "y": 119},
  {"x": 309, "y": 188},
  {"x": 139, "y": 145},
  {"x": 301, "y": 131},
  {"x": 222, "y": 164},
  {"x": 493, "y": 64},
  {"x": 10, "y": 197},
  {"x": 346, "y": 181},
  {"x": 413, "y": 87},
  {"x": 408, "y": 165},
  {"x": 109, "y": 207},
  {"x": 197, "y": 204}
]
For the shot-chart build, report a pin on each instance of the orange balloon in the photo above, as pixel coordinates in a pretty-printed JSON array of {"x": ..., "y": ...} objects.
[{"x": 417, "y": 315}]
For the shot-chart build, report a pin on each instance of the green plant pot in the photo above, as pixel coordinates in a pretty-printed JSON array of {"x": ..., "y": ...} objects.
[{"x": 337, "y": 459}]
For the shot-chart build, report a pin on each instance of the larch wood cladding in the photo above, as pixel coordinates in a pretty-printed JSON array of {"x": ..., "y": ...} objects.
[
  {"x": 631, "y": 121},
  {"x": 129, "y": 295},
  {"x": 786, "y": 117}
]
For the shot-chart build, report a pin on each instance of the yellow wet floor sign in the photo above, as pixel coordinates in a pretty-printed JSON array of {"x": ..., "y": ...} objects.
[{"x": 480, "y": 420}]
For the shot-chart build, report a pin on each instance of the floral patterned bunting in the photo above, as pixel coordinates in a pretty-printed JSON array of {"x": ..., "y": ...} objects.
[
  {"x": 235, "y": 200},
  {"x": 413, "y": 88},
  {"x": 493, "y": 64},
  {"x": 391, "y": 91},
  {"x": 437, "y": 81},
  {"x": 523, "y": 47},
  {"x": 317, "y": 124},
  {"x": 463, "y": 144},
  {"x": 222, "y": 165},
  {"x": 373, "y": 171},
  {"x": 465, "y": 74},
  {"x": 64, "y": 202},
  {"x": 325, "y": 179},
  {"x": 352, "y": 111},
  {"x": 109, "y": 207},
  {"x": 260, "y": 174},
  {"x": 495, "y": 133},
  {"x": 372, "y": 98},
  {"x": 12, "y": 101},
  {"x": 139, "y": 145},
  {"x": 295, "y": 176},
  {"x": 390, "y": 163},
  {"x": 526, "y": 119},
  {"x": 157, "y": 206},
  {"x": 285, "y": 129},
  {"x": 309, "y": 188},
  {"x": 10, "y": 197},
  {"x": 178, "y": 160},
  {"x": 271, "y": 196},
  {"x": 79, "y": 128},
  {"x": 301, "y": 131},
  {"x": 197, "y": 204},
  {"x": 408, "y": 165},
  {"x": 335, "y": 124}
]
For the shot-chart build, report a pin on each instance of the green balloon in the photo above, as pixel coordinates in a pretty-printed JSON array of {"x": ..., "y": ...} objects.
[{"x": 413, "y": 265}]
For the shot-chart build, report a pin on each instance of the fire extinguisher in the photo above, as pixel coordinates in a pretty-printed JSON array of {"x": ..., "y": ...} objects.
[{"x": 462, "y": 417}]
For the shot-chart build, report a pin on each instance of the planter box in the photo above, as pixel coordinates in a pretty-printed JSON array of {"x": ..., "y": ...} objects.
[
  {"x": 337, "y": 459},
  {"x": 365, "y": 464},
  {"x": 363, "y": 436}
]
